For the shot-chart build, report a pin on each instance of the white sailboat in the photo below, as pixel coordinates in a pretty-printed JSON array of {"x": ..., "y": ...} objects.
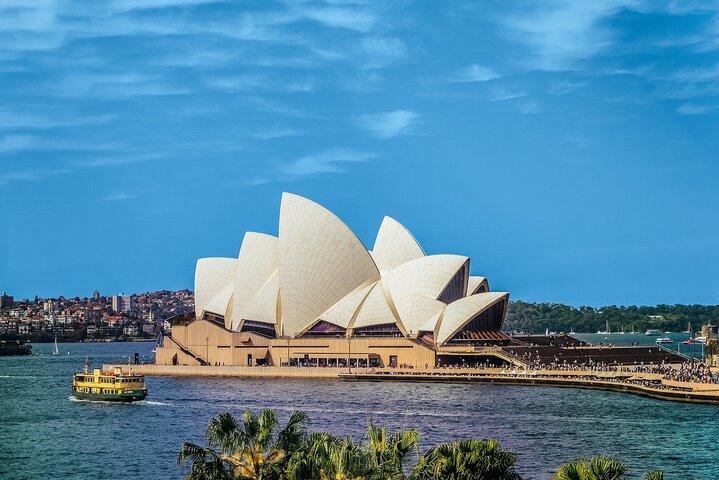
[
  {"x": 606, "y": 328},
  {"x": 56, "y": 351},
  {"x": 689, "y": 328}
]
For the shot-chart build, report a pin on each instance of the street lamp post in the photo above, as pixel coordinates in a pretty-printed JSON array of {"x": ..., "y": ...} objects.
[
  {"x": 288, "y": 351},
  {"x": 207, "y": 351},
  {"x": 349, "y": 354}
]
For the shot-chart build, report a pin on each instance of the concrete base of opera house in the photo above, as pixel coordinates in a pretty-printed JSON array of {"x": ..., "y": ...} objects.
[{"x": 204, "y": 342}]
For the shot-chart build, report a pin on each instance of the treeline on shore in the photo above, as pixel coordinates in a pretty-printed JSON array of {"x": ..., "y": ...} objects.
[
  {"x": 255, "y": 448},
  {"x": 557, "y": 317}
]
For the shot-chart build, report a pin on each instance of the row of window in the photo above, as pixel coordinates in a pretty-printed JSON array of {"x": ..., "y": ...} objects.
[
  {"x": 97, "y": 390},
  {"x": 110, "y": 380}
]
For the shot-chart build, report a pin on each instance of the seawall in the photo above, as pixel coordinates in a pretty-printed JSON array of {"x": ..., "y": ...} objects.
[{"x": 612, "y": 381}]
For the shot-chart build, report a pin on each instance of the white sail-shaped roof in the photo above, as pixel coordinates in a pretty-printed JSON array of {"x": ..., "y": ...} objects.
[
  {"x": 475, "y": 284},
  {"x": 214, "y": 279},
  {"x": 220, "y": 303},
  {"x": 263, "y": 308},
  {"x": 394, "y": 246},
  {"x": 259, "y": 258},
  {"x": 459, "y": 313},
  {"x": 344, "y": 311},
  {"x": 374, "y": 310},
  {"x": 424, "y": 311},
  {"x": 321, "y": 262},
  {"x": 432, "y": 324},
  {"x": 426, "y": 276}
]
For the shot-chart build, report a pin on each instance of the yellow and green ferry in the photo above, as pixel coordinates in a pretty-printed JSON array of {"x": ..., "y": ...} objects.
[{"x": 109, "y": 387}]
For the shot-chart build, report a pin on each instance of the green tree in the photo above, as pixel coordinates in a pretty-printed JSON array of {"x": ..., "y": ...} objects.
[
  {"x": 599, "y": 468},
  {"x": 466, "y": 460},
  {"x": 253, "y": 449},
  {"x": 325, "y": 457},
  {"x": 390, "y": 452},
  {"x": 655, "y": 475}
]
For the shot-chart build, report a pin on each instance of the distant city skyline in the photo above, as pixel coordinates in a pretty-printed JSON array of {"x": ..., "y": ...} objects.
[{"x": 569, "y": 149}]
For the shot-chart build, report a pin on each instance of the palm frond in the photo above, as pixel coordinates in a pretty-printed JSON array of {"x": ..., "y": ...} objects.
[{"x": 654, "y": 475}]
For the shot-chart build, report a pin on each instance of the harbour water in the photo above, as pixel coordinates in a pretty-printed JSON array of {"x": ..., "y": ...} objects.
[
  {"x": 44, "y": 434},
  {"x": 641, "y": 339}
]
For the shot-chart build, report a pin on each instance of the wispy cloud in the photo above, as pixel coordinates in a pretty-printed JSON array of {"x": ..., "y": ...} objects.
[
  {"x": 563, "y": 87},
  {"x": 128, "y": 5},
  {"x": 327, "y": 161},
  {"x": 275, "y": 132},
  {"x": 24, "y": 143},
  {"x": 359, "y": 19},
  {"x": 115, "y": 85},
  {"x": 565, "y": 32},
  {"x": 118, "y": 196},
  {"x": 29, "y": 175},
  {"x": 381, "y": 51},
  {"x": 500, "y": 94},
  {"x": 275, "y": 107},
  {"x": 14, "y": 143},
  {"x": 15, "y": 118},
  {"x": 388, "y": 124},
  {"x": 475, "y": 73},
  {"x": 695, "y": 109},
  {"x": 529, "y": 107},
  {"x": 116, "y": 161},
  {"x": 255, "y": 82}
]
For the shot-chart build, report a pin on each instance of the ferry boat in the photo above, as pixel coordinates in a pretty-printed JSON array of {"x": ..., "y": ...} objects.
[
  {"x": 109, "y": 387},
  {"x": 661, "y": 340}
]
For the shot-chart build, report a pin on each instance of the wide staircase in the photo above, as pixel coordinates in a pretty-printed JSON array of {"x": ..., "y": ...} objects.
[
  {"x": 187, "y": 351},
  {"x": 490, "y": 351}
]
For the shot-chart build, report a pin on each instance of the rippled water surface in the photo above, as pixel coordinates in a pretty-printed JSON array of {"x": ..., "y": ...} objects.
[{"x": 43, "y": 434}]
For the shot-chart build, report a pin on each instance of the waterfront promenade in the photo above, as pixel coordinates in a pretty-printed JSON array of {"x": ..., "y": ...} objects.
[{"x": 655, "y": 382}]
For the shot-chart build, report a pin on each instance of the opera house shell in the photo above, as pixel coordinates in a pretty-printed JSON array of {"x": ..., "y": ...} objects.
[{"x": 315, "y": 294}]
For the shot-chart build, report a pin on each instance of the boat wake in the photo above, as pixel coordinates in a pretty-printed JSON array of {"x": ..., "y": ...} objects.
[
  {"x": 151, "y": 402},
  {"x": 109, "y": 402}
]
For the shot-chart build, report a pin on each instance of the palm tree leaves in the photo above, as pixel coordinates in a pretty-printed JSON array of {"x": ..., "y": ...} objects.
[
  {"x": 599, "y": 468},
  {"x": 250, "y": 449},
  {"x": 654, "y": 475},
  {"x": 292, "y": 436},
  {"x": 389, "y": 452},
  {"x": 466, "y": 460},
  {"x": 255, "y": 448}
]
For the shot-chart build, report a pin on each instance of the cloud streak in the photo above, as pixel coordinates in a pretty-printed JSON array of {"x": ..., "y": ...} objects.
[
  {"x": 694, "y": 109},
  {"x": 561, "y": 34},
  {"x": 475, "y": 73},
  {"x": 327, "y": 161},
  {"x": 118, "y": 197},
  {"x": 388, "y": 124}
]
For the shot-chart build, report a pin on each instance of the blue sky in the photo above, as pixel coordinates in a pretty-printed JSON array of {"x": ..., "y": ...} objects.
[{"x": 569, "y": 148}]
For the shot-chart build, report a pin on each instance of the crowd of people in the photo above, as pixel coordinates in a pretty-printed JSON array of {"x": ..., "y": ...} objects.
[
  {"x": 696, "y": 372},
  {"x": 688, "y": 372}
]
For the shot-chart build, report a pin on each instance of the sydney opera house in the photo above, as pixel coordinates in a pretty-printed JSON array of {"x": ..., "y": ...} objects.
[{"x": 316, "y": 296}]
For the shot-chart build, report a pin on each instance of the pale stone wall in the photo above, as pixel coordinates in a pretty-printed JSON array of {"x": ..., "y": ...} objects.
[{"x": 221, "y": 347}]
